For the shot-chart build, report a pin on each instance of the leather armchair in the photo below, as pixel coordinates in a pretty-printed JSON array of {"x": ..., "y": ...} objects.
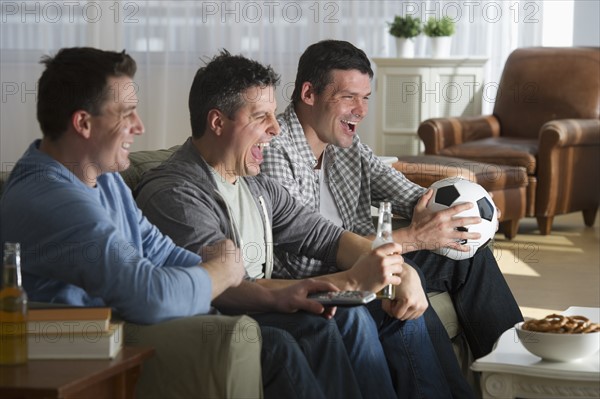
[{"x": 546, "y": 118}]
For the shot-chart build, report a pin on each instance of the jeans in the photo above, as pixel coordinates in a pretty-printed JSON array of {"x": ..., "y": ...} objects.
[
  {"x": 459, "y": 386},
  {"x": 285, "y": 370},
  {"x": 483, "y": 301},
  {"x": 316, "y": 365},
  {"x": 366, "y": 354},
  {"x": 442, "y": 344},
  {"x": 411, "y": 358}
]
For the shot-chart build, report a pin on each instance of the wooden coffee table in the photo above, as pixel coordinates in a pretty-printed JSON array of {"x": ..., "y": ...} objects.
[
  {"x": 510, "y": 371},
  {"x": 97, "y": 378}
]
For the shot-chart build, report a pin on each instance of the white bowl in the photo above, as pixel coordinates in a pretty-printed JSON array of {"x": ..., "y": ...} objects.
[{"x": 559, "y": 347}]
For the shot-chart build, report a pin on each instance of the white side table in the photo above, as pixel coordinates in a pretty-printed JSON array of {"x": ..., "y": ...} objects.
[{"x": 510, "y": 371}]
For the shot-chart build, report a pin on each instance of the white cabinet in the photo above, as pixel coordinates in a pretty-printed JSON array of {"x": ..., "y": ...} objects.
[{"x": 410, "y": 90}]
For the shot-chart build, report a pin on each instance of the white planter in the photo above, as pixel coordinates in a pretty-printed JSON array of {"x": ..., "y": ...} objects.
[
  {"x": 440, "y": 46},
  {"x": 405, "y": 48}
]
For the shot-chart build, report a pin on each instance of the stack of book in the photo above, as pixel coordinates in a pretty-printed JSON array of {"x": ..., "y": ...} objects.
[{"x": 73, "y": 333}]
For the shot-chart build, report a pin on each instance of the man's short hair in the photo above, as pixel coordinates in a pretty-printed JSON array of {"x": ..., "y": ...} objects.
[
  {"x": 320, "y": 58},
  {"x": 221, "y": 84},
  {"x": 76, "y": 79}
]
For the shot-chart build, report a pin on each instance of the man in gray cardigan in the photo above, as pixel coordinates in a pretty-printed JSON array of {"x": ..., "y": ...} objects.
[{"x": 211, "y": 188}]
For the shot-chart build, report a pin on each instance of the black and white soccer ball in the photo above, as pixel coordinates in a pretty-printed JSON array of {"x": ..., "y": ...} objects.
[{"x": 454, "y": 191}]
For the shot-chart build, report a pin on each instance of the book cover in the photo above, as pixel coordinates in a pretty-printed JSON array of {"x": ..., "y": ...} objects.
[
  {"x": 77, "y": 345},
  {"x": 68, "y": 320}
]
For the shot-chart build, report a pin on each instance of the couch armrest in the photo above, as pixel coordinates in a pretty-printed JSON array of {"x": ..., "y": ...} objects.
[
  {"x": 439, "y": 133},
  {"x": 568, "y": 161},
  {"x": 569, "y": 132},
  {"x": 443, "y": 306},
  {"x": 208, "y": 356}
]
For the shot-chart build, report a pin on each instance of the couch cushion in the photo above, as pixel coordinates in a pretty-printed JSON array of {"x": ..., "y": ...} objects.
[
  {"x": 499, "y": 151},
  {"x": 141, "y": 161},
  {"x": 427, "y": 169}
]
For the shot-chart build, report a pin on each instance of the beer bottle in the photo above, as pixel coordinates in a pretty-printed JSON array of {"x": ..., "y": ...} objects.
[
  {"x": 13, "y": 309},
  {"x": 384, "y": 235}
]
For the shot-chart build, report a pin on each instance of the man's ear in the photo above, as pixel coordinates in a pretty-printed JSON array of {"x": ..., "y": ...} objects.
[
  {"x": 307, "y": 93},
  {"x": 81, "y": 122},
  {"x": 215, "y": 121}
]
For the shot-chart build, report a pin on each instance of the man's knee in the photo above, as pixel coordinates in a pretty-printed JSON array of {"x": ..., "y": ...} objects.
[{"x": 202, "y": 356}]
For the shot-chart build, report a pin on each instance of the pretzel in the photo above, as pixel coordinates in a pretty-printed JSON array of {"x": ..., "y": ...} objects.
[{"x": 559, "y": 324}]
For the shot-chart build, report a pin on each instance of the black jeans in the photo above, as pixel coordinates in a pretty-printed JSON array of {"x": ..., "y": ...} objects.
[{"x": 483, "y": 302}]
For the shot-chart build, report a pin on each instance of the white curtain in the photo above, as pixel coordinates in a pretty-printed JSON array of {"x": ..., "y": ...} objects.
[{"x": 171, "y": 39}]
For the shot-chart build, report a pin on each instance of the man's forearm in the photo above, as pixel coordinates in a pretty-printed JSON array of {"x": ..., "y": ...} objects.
[
  {"x": 404, "y": 237},
  {"x": 247, "y": 297},
  {"x": 350, "y": 248},
  {"x": 342, "y": 280}
]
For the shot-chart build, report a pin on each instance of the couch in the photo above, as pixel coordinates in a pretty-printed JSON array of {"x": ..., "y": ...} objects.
[{"x": 162, "y": 375}]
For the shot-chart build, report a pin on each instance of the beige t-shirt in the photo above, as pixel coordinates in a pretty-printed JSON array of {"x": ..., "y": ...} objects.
[{"x": 247, "y": 220}]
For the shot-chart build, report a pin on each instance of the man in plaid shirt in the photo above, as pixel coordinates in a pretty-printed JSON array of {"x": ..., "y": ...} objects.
[{"x": 319, "y": 158}]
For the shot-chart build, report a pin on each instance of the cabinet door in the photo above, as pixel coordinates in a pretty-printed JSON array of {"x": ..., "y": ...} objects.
[
  {"x": 412, "y": 90},
  {"x": 453, "y": 92},
  {"x": 401, "y": 108},
  {"x": 401, "y": 98}
]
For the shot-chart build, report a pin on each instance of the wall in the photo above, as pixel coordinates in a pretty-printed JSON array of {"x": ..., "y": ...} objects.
[
  {"x": 484, "y": 37},
  {"x": 586, "y": 27}
]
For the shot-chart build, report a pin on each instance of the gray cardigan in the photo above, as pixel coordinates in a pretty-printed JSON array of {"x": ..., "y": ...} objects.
[{"x": 181, "y": 198}]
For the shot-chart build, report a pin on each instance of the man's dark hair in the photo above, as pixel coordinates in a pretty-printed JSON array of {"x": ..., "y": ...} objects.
[
  {"x": 221, "y": 84},
  {"x": 76, "y": 79},
  {"x": 320, "y": 58}
]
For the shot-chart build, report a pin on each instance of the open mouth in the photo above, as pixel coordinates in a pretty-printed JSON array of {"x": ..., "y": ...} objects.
[
  {"x": 350, "y": 125},
  {"x": 257, "y": 150},
  {"x": 126, "y": 146}
]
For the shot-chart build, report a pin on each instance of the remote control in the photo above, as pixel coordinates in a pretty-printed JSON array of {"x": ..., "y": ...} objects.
[{"x": 343, "y": 298}]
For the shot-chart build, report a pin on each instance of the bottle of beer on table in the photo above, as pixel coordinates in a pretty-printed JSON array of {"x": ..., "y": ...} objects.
[{"x": 13, "y": 309}]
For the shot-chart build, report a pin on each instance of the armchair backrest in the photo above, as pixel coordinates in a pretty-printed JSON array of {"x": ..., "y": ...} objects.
[{"x": 540, "y": 84}]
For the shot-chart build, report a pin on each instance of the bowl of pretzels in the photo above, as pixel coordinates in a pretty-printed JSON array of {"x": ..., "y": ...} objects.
[{"x": 560, "y": 338}]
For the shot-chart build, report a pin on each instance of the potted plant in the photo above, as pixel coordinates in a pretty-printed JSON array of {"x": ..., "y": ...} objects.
[
  {"x": 440, "y": 32},
  {"x": 404, "y": 29}
]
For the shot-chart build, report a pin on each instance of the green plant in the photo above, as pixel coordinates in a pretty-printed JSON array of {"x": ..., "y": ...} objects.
[
  {"x": 406, "y": 27},
  {"x": 439, "y": 27}
]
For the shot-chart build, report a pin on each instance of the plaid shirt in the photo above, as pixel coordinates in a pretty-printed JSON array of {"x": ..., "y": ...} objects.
[{"x": 357, "y": 179}]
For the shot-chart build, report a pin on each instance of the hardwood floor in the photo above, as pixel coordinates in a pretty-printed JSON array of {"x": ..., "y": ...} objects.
[{"x": 550, "y": 273}]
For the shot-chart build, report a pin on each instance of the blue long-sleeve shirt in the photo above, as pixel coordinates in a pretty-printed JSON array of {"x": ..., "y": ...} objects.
[{"x": 93, "y": 247}]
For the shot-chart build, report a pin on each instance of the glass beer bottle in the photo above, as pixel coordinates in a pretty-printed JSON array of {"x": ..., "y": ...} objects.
[
  {"x": 13, "y": 309},
  {"x": 384, "y": 235}
]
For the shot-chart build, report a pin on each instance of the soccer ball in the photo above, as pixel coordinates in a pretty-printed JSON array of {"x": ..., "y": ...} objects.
[{"x": 454, "y": 191}]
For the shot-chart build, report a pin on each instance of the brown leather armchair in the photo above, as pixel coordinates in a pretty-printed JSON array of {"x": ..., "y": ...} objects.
[{"x": 547, "y": 119}]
